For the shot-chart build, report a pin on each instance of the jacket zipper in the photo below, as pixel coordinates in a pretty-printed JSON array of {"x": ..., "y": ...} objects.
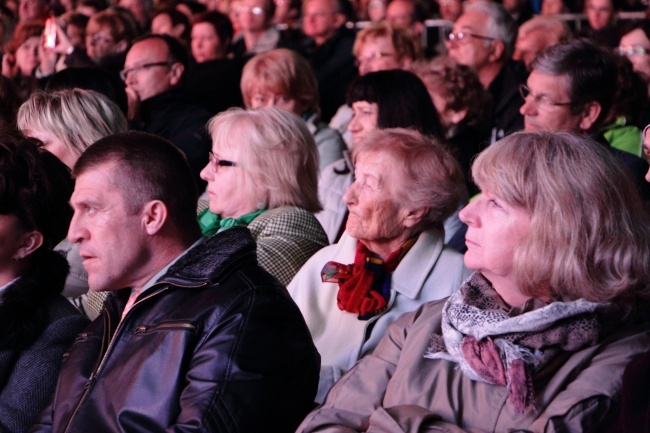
[
  {"x": 95, "y": 373},
  {"x": 145, "y": 329}
]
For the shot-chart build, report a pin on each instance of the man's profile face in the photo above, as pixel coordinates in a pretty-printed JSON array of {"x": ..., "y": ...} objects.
[
  {"x": 539, "y": 111},
  {"x": 148, "y": 71},
  {"x": 471, "y": 50},
  {"x": 112, "y": 241}
]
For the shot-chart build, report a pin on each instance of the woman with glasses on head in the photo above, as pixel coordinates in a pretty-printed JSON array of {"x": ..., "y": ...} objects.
[
  {"x": 538, "y": 337},
  {"x": 263, "y": 174},
  {"x": 36, "y": 323}
]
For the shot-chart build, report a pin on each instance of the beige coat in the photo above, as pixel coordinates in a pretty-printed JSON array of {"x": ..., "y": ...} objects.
[{"x": 397, "y": 390}]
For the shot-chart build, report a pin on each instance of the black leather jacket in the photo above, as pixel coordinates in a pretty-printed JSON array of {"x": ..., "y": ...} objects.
[{"x": 216, "y": 345}]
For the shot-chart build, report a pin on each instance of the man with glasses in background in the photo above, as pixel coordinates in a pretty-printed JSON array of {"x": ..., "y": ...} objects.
[
  {"x": 153, "y": 73},
  {"x": 483, "y": 37},
  {"x": 571, "y": 87}
]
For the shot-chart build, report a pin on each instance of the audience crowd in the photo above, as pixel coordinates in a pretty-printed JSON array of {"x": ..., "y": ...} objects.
[{"x": 324, "y": 216}]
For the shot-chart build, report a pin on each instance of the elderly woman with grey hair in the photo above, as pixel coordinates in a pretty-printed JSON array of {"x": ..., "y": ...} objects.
[
  {"x": 263, "y": 174},
  {"x": 538, "y": 337},
  {"x": 392, "y": 257}
]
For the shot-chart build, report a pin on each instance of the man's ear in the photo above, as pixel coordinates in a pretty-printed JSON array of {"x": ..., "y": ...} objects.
[
  {"x": 121, "y": 46},
  {"x": 176, "y": 71},
  {"x": 30, "y": 243},
  {"x": 589, "y": 115},
  {"x": 154, "y": 216},
  {"x": 497, "y": 48},
  {"x": 339, "y": 19}
]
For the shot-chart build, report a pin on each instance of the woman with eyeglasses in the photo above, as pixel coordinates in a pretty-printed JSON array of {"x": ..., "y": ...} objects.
[
  {"x": 538, "y": 337},
  {"x": 263, "y": 174},
  {"x": 256, "y": 32},
  {"x": 635, "y": 45}
]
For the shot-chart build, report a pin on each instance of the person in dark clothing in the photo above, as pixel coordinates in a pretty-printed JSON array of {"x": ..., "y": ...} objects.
[
  {"x": 154, "y": 72},
  {"x": 571, "y": 87},
  {"x": 37, "y": 324},
  {"x": 194, "y": 334},
  {"x": 329, "y": 49}
]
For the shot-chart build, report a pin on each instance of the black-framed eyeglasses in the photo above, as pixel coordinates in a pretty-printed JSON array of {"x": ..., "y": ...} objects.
[
  {"x": 634, "y": 50},
  {"x": 457, "y": 37},
  {"x": 541, "y": 101},
  {"x": 215, "y": 162},
  {"x": 125, "y": 72}
]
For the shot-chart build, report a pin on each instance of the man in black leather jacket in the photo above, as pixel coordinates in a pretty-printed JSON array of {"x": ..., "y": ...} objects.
[{"x": 194, "y": 335}]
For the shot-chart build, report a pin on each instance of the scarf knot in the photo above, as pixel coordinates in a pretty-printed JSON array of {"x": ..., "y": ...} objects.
[{"x": 364, "y": 286}]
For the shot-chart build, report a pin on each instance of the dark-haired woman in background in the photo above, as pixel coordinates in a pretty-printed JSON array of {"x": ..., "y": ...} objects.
[
  {"x": 379, "y": 100},
  {"x": 36, "y": 323}
]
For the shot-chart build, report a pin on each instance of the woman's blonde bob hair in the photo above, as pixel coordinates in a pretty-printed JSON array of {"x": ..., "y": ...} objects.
[
  {"x": 76, "y": 117},
  {"x": 277, "y": 153},
  {"x": 590, "y": 235}
]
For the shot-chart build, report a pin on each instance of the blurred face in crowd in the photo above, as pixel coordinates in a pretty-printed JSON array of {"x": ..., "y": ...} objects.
[
  {"x": 376, "y": 218},
  {"x": 473, "y": 49},
  {"x": 600, "y": 13},
  {"x": 205, "y": 43},
  {"x": 635, "y": 45},
  {"x": 364, "y": 119},
  {"x": 400, "y": 13},
  {"x": 377, "y": 54},
  {"x": 320, "y": 19},
  {"x": 227, "y": 181},
  {"x": 138, "y": 9},
  {"x": 262, "y": 97},
  {"x": 162, "y": 25},
  {"x": 553, "y": 7},
  {"x": 27, "y": 56},
  {"x": 450, "y": 9},
  {"x": 529, "y": 45},
  {"x": 147, "y": 70},
  {"x": 376, "y": 10},
  {"x": 494, "y": 230},
  {"x": 101, "y": 43},
  {"x": 55, "y": 146},
  {"x": 541, "y": 110},
  {"x": 33, "y": 9},
  {"x": 252, "y": 16}
]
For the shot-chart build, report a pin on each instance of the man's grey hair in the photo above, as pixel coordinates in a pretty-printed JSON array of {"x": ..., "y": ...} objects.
[{"x": 500, "y": 24}]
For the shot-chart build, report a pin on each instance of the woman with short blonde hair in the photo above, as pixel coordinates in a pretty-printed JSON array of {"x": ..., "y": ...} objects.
[
  {"x": 283, "y": 78},
  {"x": 263, "y": 174}
]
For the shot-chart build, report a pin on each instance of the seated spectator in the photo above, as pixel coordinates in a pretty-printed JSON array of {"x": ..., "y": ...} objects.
[
  {"x": 283, "y": 78},
  {"x": 263, "y": 174},
  {"x": 154, "y": 74},
  {"x": 378, "y": 48},
  {"x": 169, "y": 21},
  {"x": 391, "y": 258},
  {"x": 483, "y": 37},
  {"x": 538, "y": 337},
  {"x": 21, "y": 59},
  {"x": 635, "y": 45},
  {"x": 193, "y": 334},
  {"x": 108, "y": 38},
  {"x": 213, "y": 79},
  {"x": 142, "y": 11},
  {"x": 256, "y": 33},
  {"x": 571, "y": 87},
  {"x": 462, "y": 105},
  {"x": 630, "y": 99},
  {"x": 329, "y": 47},
  {"x": 520, "y": 10},
  {"x": 36, "y": 323},
  {"x": 68, "y": 122},
  {"x": 406, "y": 14},
  {"x": 380, "y": 100},
  {"x": 602, "y": 27},
  {"x": 450, "y": 10},
  {"x": 554, "y": 7},
  {"x": 536, "y": 35}
]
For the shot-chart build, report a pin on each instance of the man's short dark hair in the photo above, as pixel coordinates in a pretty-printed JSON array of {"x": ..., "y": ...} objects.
[
  {"x": 177, "y": 52},
  {"x": 591, "y": 72},
  {"x": 148, "y": 168}
]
